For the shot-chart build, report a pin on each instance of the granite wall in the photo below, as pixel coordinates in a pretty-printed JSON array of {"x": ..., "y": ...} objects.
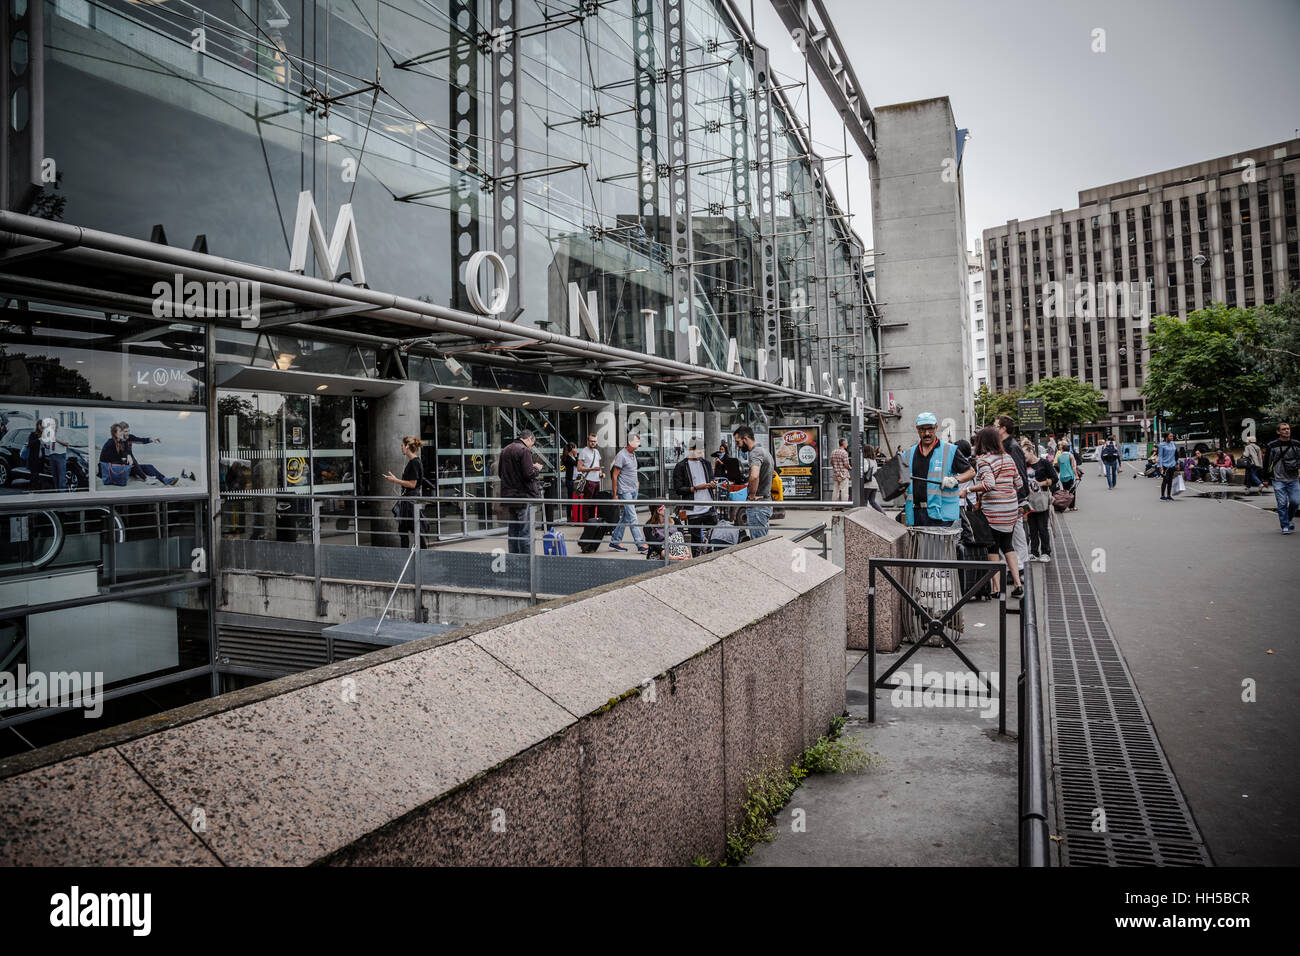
[
  {"x": 616, "y": 726},
  {"x": 869, "y": 534}
]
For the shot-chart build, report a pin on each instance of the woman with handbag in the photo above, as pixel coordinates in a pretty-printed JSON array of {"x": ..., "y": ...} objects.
[
  {"x": 1068, "y": 469},
  {"x": 997, "y": 480},
  {"x": 411, "y": 484},
  {"x": 1043, "y": 478}
]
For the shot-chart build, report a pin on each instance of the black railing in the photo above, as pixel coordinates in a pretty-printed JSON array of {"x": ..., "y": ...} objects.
[
  {"x": 1034, "y": 839},
  {"x": 936, "y": 627}
]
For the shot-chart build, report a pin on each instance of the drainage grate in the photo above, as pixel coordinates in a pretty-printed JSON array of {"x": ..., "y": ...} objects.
[{"x": 1107, "y": 754}]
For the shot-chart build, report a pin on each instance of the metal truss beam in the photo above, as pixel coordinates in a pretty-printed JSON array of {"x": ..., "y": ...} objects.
[
  {"x": 507, "y": 207},
  {"x": 808, "y": 20}
]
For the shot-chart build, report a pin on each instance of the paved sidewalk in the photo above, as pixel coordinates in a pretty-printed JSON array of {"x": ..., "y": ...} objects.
[
  {"x": 1201, "y": 596},
  {"x": 946, "y": 795}
]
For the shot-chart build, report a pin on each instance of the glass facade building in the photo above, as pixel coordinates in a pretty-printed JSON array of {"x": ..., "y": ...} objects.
[{"x": 668, "y": 237}]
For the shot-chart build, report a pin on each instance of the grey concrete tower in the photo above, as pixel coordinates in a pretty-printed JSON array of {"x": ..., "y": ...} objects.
[{"x": 919, "y": 223}]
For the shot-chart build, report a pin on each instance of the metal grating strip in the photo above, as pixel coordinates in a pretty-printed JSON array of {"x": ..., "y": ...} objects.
[{"x": 1106, "y": 752}]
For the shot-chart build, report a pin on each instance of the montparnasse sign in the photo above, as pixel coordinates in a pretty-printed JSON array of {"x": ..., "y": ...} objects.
[{"x": 584, "y": 311}]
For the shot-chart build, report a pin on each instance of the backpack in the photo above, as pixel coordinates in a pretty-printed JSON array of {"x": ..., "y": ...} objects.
[{"x": 1109, "y": 453}]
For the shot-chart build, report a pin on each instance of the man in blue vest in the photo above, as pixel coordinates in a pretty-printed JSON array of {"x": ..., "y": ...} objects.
[{"x": 936, "y": 468}]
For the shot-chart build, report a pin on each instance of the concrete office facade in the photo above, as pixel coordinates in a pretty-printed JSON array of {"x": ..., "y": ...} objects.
[
  {"x": 919, "y": 227},
  {"x": 1168, "y": 243},
  {"x": 456, "y": 221}
]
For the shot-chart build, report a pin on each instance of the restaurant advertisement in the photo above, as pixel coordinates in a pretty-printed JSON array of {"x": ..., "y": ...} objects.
[{"x": 795, "y": 452}]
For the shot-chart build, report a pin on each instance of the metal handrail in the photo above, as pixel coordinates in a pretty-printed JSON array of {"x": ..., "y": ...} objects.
[{"x": 1034, "y": 836}]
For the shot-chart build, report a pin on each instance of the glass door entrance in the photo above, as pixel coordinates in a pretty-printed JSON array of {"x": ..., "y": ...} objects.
[{"x": 276, "y": 451}]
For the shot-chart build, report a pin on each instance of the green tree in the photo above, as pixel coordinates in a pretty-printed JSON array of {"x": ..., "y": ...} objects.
[
  {"x": 989, "y": 405},
  {"x": 1068, "y": 402},
  {"x": 1276, "y": 353},
  {"x": 1199, "y": 365}
]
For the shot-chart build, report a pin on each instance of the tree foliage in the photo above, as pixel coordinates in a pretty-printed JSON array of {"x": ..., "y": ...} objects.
[
  {"x": 1203, "y": 364},
  {"x": 1068, "y": 402},
  {"x": 989, "y": 405},
  {"x": 1276, "y": 353}
]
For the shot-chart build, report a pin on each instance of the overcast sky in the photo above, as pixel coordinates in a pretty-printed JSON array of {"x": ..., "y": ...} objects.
[{"x": 1180, "y": 81}]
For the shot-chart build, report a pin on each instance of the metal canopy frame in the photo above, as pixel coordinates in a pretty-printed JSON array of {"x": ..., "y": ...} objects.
[{"x": 125, "y": 255}]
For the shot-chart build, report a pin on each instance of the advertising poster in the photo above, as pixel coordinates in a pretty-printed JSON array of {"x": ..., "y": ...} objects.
[
  {"x": 44, "y": 449},
  {"x": 796, "y": 454},
  {"x": 50, "y": 451},
  {"x": 147, "y": 453}
]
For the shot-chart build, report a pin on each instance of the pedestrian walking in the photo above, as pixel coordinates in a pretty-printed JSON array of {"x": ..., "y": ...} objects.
[
  {"x": 1282, "y": 469},
  {"x": 997, "y": 488},
  {"x": 1252, "y": 462},
  {"x": 870, "y": 490},
  {"x": 840, "y": 471},
  {"x": 1168, "y": 452},
  {"x": 1005, "y": 424},
  {"x": 627, "y": 487},
  {"x": 411, "y": 483},
  {"x": 761, "y": 469},
  {"x": 587, "y": 483},
  {"x": 1067, "y": 468},
  {"x": 518, "y": 469},
  {"x": 1044, "y": 480},
  {"x": 936, "y": 470},
  {"x": 1110, "y": 462},
  {"x": 569, "y": 468}
]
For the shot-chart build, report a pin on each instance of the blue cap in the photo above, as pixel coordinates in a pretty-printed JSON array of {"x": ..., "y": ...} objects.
[{"x": 926, "y": 418}]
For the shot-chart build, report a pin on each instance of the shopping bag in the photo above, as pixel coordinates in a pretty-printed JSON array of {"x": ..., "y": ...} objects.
[
  {"x": 889, "y": 477},
  {"x": 1179, "y": 486}
]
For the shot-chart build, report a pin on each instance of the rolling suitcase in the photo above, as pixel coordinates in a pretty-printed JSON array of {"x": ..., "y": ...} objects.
[{"x": 606, "y": 516}]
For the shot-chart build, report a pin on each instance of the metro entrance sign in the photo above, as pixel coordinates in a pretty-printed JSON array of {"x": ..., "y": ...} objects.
[{"x": 1033, "y": 414}]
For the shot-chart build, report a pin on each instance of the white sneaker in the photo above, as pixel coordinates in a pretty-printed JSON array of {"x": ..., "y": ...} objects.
[{"x": 1046, "y": 558}]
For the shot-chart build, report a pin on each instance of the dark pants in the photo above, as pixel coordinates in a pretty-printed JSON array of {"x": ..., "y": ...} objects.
[
  {"x": 1040, "y": 533},
  {"x": 873, "y": 499},
  {"x": 148, "y": 471},
  {"x": 1167, "y": 481},
  {"x": 697, "y": 524},
  {"x": 1252, "y": 476},
  {"x": 520, "y": 528},
  {"x": 921, "y": 519}
]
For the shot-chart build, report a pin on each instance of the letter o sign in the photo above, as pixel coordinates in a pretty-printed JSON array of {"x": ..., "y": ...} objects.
[{"x": 500, "y": 293}]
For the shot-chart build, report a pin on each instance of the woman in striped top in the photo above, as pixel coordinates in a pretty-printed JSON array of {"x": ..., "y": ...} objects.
[{"x": 996, "y": 481}]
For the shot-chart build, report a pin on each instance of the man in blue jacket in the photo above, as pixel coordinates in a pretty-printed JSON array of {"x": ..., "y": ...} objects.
[{"x": 936, "y": 468}]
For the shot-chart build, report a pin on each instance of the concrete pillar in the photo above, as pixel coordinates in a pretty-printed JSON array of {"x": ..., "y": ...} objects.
[
  {"x": 394, "y": 416},
  {"x": 712, "y": 432}
]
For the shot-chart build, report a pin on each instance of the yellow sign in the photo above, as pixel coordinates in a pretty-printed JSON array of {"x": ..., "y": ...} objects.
[
  {"x": 476, "y": 462},
  {"x": 295, "y": 471}
]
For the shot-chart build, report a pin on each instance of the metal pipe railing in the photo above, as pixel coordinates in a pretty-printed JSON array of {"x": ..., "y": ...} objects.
[
  {"x": 381, "y": 525},
  {"x": 1034, "y": 836}
]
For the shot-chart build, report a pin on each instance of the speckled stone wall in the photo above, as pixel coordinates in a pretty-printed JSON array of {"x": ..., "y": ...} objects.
[
  {"x": 530, "y": 739},
  {"x": 869, "y": 534}
]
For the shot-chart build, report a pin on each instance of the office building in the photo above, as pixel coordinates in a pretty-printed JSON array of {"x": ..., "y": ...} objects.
[{"x": 1072, "y": 293}]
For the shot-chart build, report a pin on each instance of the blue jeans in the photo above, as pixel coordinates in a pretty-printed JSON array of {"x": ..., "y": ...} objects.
[
  {"x": 59, "y": 469},
  {"x": 1252, "y": 476},
  {"x": 1287, "y": 494},
  {"x": 1112, "y": 472},
  {"x": 520, "y": 528},
  {"x": 757, "y": 518},
  {"x": 628, "y": 519}
]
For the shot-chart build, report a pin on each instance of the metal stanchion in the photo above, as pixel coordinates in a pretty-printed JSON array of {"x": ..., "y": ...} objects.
[
  {"x": 421, "y": 615},
  {"x": 316, "y": 555},
  {"x": 532, "y": 557}
]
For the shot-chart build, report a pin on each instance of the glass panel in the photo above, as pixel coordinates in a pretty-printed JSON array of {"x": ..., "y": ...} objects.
[{"x": 72, "y": 353}]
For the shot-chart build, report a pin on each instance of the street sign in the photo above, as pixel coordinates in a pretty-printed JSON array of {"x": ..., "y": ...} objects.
[{"x": 1033, "y": 414}]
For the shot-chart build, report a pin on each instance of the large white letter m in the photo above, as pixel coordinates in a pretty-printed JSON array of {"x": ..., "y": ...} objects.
[{"x": 328, "y": 257}]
